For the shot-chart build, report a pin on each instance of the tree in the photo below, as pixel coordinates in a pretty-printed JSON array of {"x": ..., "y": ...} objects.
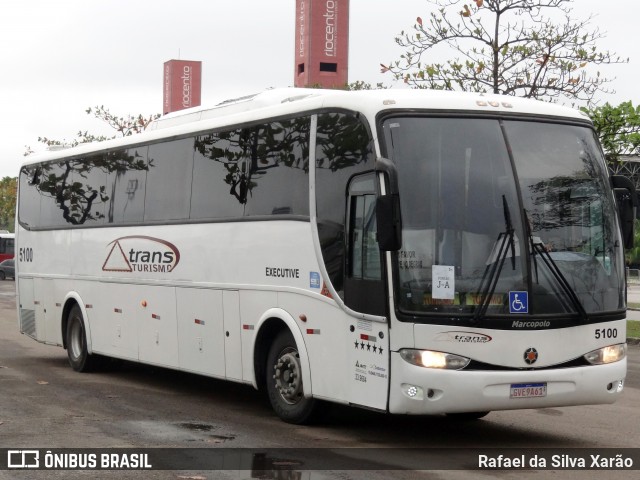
[
  {"x": 68, "y": 183},
  {"x": 357, "y": 85},
  {"x": 361, "y": 85},
  {"x": 8, "y": 191},
  {"x": 506, "y": 47},
  {"x": 124, "y": 126},
  {"x": 618, "y": 129}
]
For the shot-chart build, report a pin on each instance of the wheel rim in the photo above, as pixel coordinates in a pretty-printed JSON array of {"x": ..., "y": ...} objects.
[
  {"x": 287, "y": 376},
  {"x": 76, "y": 342}
]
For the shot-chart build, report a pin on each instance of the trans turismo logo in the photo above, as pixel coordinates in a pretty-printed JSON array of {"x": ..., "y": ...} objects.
[{"x": 138, "y": 253}]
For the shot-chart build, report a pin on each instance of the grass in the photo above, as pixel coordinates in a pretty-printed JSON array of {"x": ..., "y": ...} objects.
[
  {"x": 633, "y": 329},
  {"x": 633, "y": 326}
]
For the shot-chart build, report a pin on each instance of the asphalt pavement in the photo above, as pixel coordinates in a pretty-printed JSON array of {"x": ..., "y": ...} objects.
[{"x": 633, "y": 293}]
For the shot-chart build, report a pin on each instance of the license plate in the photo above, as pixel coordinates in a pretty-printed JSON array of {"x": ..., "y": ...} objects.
[{"x": 528, "y": 390}]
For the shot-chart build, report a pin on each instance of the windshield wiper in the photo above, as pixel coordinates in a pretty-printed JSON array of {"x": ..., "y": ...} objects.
[
  {"x": 538, "y": 248},
  {"x": 492, "y": 271}
]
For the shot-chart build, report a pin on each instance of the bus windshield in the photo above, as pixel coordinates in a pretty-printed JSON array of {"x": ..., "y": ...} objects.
[{"x": 503, "y": 217}]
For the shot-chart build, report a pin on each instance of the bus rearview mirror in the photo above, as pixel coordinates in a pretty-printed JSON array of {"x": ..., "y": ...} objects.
[{"x": 388, "y": 220}]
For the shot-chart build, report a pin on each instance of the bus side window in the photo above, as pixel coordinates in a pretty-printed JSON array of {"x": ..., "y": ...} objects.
[
  {"x": 126, "y": 184},
  {"x": 169, "y": 164},
  {"x": 29, "y": 200},
  {"x": 278, "y": 182},
  {"x": 344, "y": 148}
]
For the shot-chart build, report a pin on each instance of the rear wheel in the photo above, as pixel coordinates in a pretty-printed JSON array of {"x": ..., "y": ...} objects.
[
  {"x": 284, "y": 381},
  {"x": 2, "y": 275},
  {"x": 79, "y": 357}
]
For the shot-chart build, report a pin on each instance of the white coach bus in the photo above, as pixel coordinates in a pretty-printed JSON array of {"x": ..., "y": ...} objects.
[{"x": 412, "y": 252}]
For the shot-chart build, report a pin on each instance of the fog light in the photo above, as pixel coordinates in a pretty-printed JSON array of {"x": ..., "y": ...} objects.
[
  {"x": 412, "y": 391},
  {"x": 616, "y": 387}
]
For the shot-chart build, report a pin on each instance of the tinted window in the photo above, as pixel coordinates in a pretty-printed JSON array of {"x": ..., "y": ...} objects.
[
  {"x": 29, "y": 206},
  {"x": 459, "y": 205},
  {"x": 169, "y": 180},
  {"x": 87, "y": 192},
  {"x": 258, "y": 170},
  {"x": 126, "y": 184},
  {"x": 219, "y": 179},
  {"x": 6, "y": 245},
  {"x": 278, "y": 181},
  {"x": 343, "y": 149},
  {"x": 57, "y": 205},
  {"x": 363, "y": 245}
]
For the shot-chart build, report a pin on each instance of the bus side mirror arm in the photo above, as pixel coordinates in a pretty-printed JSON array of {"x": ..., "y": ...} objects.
[
  {"x": 627, "y": 200},
  {"x": 388, "y": 223}
]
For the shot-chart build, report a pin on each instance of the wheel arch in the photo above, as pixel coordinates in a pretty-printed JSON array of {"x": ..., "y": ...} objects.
[
  {"x": 73, "y": 298},
  {"x": 268, "y": 327}
]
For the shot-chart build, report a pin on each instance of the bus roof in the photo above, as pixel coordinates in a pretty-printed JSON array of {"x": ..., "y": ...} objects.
[
  {"x": 363, "y": 100},
  {"x": 288, "y": 101}
]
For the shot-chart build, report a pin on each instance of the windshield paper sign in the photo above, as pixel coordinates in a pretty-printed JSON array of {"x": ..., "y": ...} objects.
[{"x": 443, "y": 282}]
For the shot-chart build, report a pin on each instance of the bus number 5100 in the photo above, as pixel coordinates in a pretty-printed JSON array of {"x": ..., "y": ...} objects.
[
  {"x": 26, "y": 254},
  {"x": 606, "y": 333}
]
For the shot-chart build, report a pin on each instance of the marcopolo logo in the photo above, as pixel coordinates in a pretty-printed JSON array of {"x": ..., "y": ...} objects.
[{"x": 139, "y": 253}]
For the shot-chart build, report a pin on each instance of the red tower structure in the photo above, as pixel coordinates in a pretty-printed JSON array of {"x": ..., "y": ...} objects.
[
  {"x": 182, "y": 85},
  {"x": 322, "y": 43}
]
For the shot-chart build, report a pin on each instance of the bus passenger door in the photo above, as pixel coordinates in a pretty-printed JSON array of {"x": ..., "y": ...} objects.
[
  {"x": 363, "y": 287},
  {"x": 368, "y": 340}
]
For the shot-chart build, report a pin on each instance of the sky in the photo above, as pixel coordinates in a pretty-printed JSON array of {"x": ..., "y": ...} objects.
[{"x": 57, "y": 58}]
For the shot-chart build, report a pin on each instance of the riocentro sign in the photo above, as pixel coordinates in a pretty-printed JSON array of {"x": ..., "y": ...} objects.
[{"x": 138, "y": 253}]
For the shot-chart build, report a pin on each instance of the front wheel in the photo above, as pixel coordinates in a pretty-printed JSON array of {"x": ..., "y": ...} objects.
[
  {"x": 284, "y": 381},
  {"x": 79, "y": 357}
]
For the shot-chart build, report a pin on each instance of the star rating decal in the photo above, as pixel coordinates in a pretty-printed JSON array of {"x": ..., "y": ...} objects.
[{"x": 369, "y": 347}]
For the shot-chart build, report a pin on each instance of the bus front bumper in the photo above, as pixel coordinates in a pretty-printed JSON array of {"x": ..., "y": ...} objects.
[{"x": 424, "y": 391}]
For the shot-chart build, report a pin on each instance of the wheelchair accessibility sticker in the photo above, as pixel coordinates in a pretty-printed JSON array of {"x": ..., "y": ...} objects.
[{"x": 518, "y": 302}]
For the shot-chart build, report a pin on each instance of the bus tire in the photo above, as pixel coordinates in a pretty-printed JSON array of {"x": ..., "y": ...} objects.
[
  {"x": 284, "y": 381},
  {"x": 76, "y": 337}
]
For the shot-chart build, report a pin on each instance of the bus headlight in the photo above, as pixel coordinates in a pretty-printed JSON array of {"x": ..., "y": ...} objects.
[
  {"x": 431, "y": 359},
  {"x": 610, "y": 354}
]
